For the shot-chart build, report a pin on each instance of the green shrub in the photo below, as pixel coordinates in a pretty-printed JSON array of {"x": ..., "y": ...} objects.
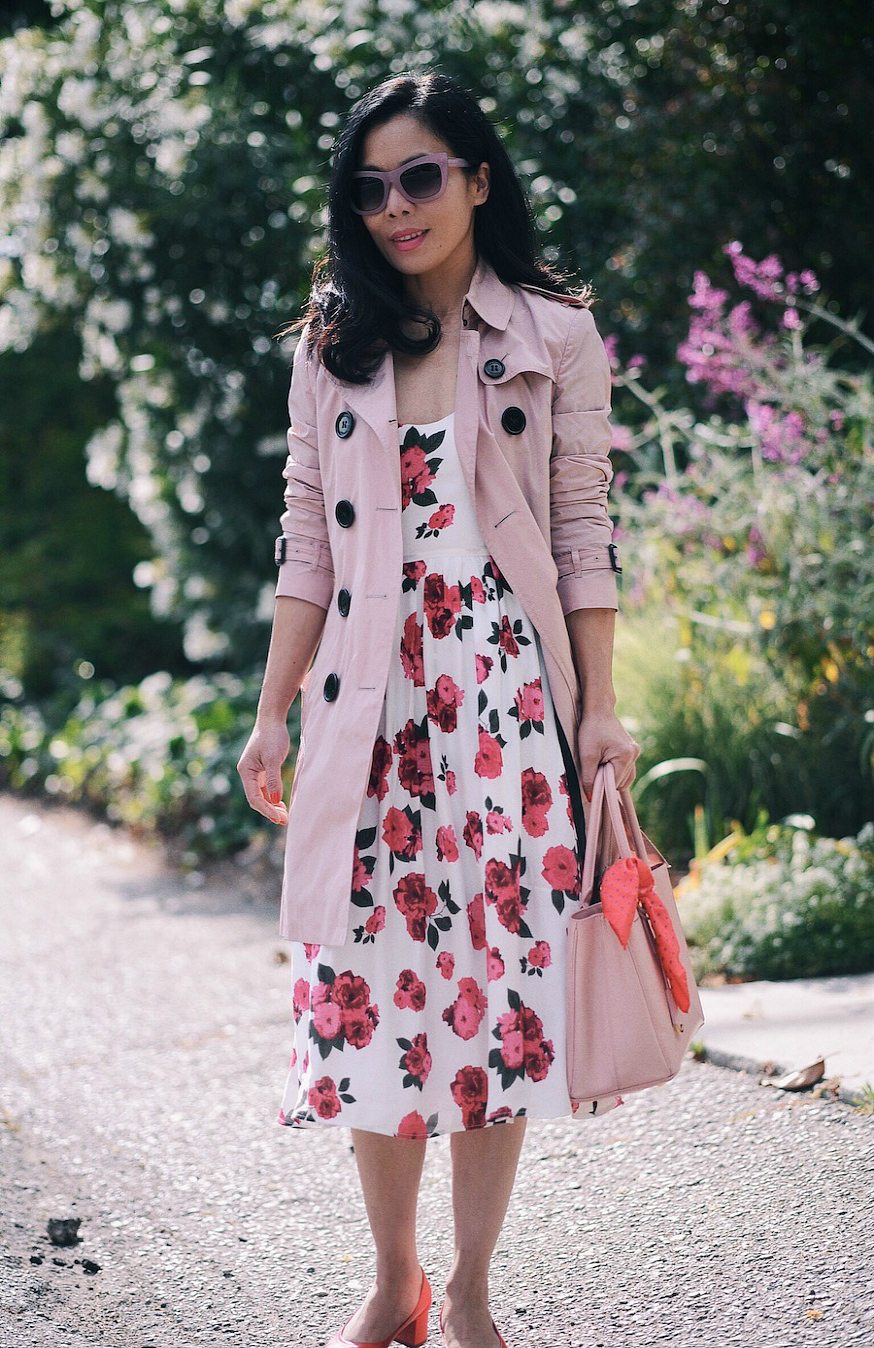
[
  {"x": 159, "y": 756},
  {"x": 784, "y": 904}
]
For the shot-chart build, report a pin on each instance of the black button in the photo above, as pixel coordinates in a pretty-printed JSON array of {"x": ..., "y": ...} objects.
[
  {"x": 513, "y": 420},
  {"x": 344, "y": 599},
  {"x": 332, "y": 686},
  {"x": 345, "y": 512},
  {"x": 494, "y": 368},
  {"x": 343, "y": 425}
]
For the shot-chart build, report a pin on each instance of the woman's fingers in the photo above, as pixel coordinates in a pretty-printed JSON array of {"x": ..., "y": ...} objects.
[{"x": 254, "y": 780}]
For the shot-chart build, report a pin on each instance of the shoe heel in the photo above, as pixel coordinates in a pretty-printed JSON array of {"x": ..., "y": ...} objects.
[{"x": 416, "y": 1332}]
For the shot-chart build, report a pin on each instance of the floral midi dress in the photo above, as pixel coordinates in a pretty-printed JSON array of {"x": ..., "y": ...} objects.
[{"x": 445, "y": 1008}]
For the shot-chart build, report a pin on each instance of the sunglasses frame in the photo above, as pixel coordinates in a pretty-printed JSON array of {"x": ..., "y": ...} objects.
[{"x": 393, "y": 177}]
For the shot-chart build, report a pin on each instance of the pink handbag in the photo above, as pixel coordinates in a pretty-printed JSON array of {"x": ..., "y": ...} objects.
[{"x": 628, "y": 962}]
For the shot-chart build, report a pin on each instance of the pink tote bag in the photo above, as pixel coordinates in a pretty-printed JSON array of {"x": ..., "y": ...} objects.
[{"x": 625, "y": 1029}]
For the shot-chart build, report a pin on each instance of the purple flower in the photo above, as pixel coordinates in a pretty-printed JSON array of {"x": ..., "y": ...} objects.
[
  {"x": 782, "y": 438},
  {"x": 762, "y": 277}
]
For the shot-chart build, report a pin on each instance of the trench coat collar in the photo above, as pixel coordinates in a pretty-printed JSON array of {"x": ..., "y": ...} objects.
[
  {"x": 375, "y": 402},
  {"x": 489, "y": 296}
]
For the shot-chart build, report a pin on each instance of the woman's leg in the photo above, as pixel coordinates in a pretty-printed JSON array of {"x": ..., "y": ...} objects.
[
  {"x": 390, "y": 1169},
  {"x": 484, "y": 1162}
]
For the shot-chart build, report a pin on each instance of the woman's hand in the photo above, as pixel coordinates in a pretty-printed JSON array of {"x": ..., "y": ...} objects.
[
  {"x": 260, "y": 769},
  {"x": 602, "y": 738}
]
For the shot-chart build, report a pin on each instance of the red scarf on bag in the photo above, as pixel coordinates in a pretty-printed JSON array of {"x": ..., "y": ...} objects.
[{"x": 625, "y": 884}]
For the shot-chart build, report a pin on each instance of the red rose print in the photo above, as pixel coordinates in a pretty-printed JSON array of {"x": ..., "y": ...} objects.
[
  {"x": 351, "y": 992},
  {"x": 523, "y": 1049},
  {"x": 442, "y": 605},
  {"x": 447, "y": 843},
  {"x": 506, "y": 640},
  {"x": 443, "y": 701},
  {"x": 416, "y": 1062},
  {"x": 529, "y": 701},
  {"x": 463, "y": 1018},
  {"x": 416, "y": 476},
  {"x": 442, "y": 517},
  {"x": 323, "y": 1098},
  {"x": 327, "y": 1020},
  {"x": 412, "y": 1125},
  {"x": 540, "y": 956},
  {"x": 358, "y": 1026},
  {"x": 445, "y": 962},
  {"x": 561, "y": 869},
  {"x": 536, "y": 802},
  {"x": 473, "y": 833},
  {"x": 301, "y": 998},
  {"x": 470, "y": 1090},
  {"x": 477, "y": 590},
  {"x": 414, "y": 760},
  {"x": 414, "y": 571},
  {"x": 379, "y": 766},
  {"x": 466, "y": 1012},
  {"x": 563, "y": 788},
  {"x": 410, "y": 993},
  {"x": 360, "y": 874},
  {"x": 496, "y": 822},
  {"x": 483, "y": 667},
  {"x": 476, "y": 918},
  {"x": 494, "y": 964},
  {"x": 401, "y": 834},
  {"x": 451, "y": 787},
  {"x": 537, "y": 1061},
  {"x": 513, "y": 1049},
  {"x": 411, "y": 652},
  {"x": 311, "y": 949},
  {"x": 489, "y": 761},
  {"x": 416, "y": 902},
  {"x": 502, "y": 889},
  {"x": 376, "y": 921}
]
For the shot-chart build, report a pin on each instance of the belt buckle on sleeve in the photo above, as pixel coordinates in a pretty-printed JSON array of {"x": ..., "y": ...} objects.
[{"x": 614, "y": 557}]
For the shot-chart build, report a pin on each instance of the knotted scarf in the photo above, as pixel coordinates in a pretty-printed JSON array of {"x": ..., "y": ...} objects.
[{"x": 626, "y": 883}]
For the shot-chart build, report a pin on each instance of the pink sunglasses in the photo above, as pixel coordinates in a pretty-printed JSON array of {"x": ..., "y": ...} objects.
[{"x": 422, "y": 179}]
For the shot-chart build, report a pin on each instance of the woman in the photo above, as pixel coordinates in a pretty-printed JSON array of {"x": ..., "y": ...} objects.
[{"x": 449, "y": 404}]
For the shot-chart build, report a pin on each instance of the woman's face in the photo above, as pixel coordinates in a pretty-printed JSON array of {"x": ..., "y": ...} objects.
[{"x": 446, "y": 220}]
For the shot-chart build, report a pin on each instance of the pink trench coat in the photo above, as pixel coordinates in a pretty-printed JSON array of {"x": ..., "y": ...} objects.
[{"x": 532, "y": 428}]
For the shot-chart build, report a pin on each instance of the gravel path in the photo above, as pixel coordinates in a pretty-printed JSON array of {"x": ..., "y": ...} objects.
[{"x": 145, "y": 1038}]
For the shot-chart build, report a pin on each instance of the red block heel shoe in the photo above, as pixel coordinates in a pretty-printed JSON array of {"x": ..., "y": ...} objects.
[
  {"x": 501, "y": 1340},
  {"x": 413, "y": 1331}
]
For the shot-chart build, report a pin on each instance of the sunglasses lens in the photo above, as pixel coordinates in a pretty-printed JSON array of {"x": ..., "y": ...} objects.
[
  {"x": 422, "y": 181},
  {"x": 367, "y": 193}
]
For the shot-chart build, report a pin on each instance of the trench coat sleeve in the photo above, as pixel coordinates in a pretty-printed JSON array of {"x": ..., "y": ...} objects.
[
  {"x": 307, "y": 571},
  {"x": 581, "y": 471}
]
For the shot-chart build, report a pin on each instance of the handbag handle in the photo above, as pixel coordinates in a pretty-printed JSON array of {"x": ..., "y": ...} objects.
[{"x": 604, "y": 791}]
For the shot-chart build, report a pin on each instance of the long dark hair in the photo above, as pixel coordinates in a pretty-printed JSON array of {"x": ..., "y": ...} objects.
[{"x": 356, "y": 300}]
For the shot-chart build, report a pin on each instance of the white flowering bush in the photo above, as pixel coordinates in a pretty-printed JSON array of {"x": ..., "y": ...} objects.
[{"x": 785, "y": 904}]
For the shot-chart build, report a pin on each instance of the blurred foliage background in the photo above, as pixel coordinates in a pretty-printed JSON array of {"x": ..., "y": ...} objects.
[{"x": 162, "y": 183}]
